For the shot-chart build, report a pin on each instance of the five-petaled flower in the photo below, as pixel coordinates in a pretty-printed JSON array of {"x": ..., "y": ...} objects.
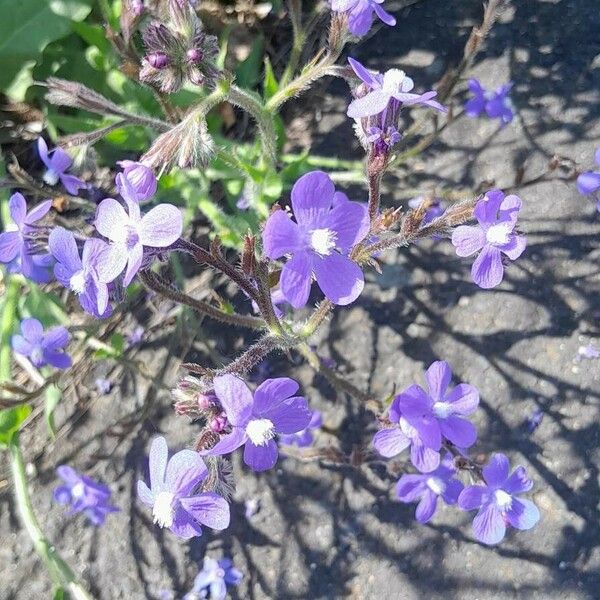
[
  {"x": 494, "y": 235},
  {"x": 173, "y": 496},
  {"x": 79, "y": 274},
  {"x": 42, "y": 348},
  {"x": 425, "y": 419},
  {"x": 497, "y": 502},
  {"x": 83, "y": 494},
  {"x": 327, "y": 227},
  {"x": 304, "y": 438},
  {"x": 129, "y": 232},
  {"x": 360, "y": 14},
  {"x": 57, "y": 162},
  {"x": 215, "y": 576},
  {"x": 588, "y": 183},
  {"x": 496, "y": 104},
  {"x": 256, "y": 419},
  {"x": 16, "y": 246},
  {"x": 428, "y": 487}
]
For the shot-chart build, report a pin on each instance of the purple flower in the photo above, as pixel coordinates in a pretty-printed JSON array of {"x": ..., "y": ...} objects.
[
  {"x": 383, "y": 140},
  {"x": 255, "y": 420},
  {"x": 497, "y": 502},
  {"x": 15, "y": 244},
  {"x": 388, "y": 91},
  {"x": 79, "y": 274},
  {"x": 130, "y": 232},
  {"x": 589, "y": 182},
  {"x": 496, "y": 104},
  {"x": 327, "y": 226},
  {"x": 215, "y": 576},
  {"x": 425, "y": 418},
  {"x": 83, "y": 494},
  {"x": 42, "y": 348},
  {"x": 360, "y": 14},
  {"x": 427, "y": 488},
  {"x": 304, "y": 438},
  {"x": 57, "y": 162},
  {"x": 494, "y": 235},
  {"x": 171, "y": 493},
  {"x": 141, "y": 180}
]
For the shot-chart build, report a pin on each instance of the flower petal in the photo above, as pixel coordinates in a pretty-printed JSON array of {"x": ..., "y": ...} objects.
[
  {"x": 60, "y": 161},
  {"x": 110, "y": 262},
  {"x": 464, "y": 399},
  {"x": 515, "y": 247},
  {"x": 452, "y": 491},
  {"x": 63, "y": 247},
  {"x": 184, "y": 471},
  {"x": 312, "y": 196},
  {"x": 296, "y": 279},
  {"x": 468, "y": 239},
  {"x": 38, "y": 212},
  {"x": 350, "y": 220},
  {"x": 290, "y": 416},
  {"x": 260, "y": 458},
  {"x": 42, "y": 148},
  {"x": 134, "y": 262},
  {"x": 272, "y": 392},
  {"x": 10, "y": 245},
  {"x": 438, "y": 377},
  {"x": 228, "y": 443},
  {"x": 235, "y": 397},
  {"x": 208, "y": 508},
  {"x": 159, "y": 454},
  {"x": 472, "y": 497},
  {"x": 410, "y": 487},
  {"x": 460, "y": 432},
  {"x": 428, "y": 430},
  {"x": 424, "y": 458},
  {"x": 371, "y": 104},
  {"x": 518, "y": 482},
  {"x": 487, "y": 270},
  {"x": 486, "y": 210},
  {"x": 488, "y": 525},
  {"x": 60, "y": 360},
  {"x": 57, "y": 337},
  {"x": 111, "y": 220},
  {"x": 162, "y": 226},
  {"x": 21, "y": 346},
  {"x": 340, "y": 279},
  {"x": 32, "y": 330},
  {"x": 144, "y": 493},
  {"x": 390, "y": 442},
  {"x": 383, "y": 15},
  {"x": 413, "y": 401},
  {"x": 281, "y": 235},
  {"x": 184, "y": 526},
  {"x": 71, "y": 183},
  {"x": 363, "y": 73},
  {"x": 495, "y": 472},
  {"x": 426, "y": 508},
  {"x": 522, "y": 514}
]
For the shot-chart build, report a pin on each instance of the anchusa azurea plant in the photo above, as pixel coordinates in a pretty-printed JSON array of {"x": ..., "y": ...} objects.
[{"x": 303, "y": 230}]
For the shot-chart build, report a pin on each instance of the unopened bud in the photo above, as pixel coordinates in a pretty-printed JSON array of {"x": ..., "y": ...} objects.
[
  {"x": 157, "y": 60},
  {"x": 194, "y": 55}
]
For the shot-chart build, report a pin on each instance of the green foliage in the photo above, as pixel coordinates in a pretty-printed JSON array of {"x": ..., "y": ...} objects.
[
  {"x": 114, "y": 349},
  {"x": 11, "y": 420},
  {"x": 52, "y": 398}
]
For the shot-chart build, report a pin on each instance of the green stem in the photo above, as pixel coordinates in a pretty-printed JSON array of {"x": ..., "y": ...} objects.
[
  {"x": 59, "y": 570},
  {"x": 295, "y": 8},
  {"x": 6, "y": 326}
]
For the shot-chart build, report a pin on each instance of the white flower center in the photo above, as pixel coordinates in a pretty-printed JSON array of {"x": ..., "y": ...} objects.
[
  {"x": 395, "y": 81},
  {"x": 442, "y": 409},
  {"x": 51, "y": 177},
  {"x": 163, "y": 510},
  {"x": 11, "y": 227},
  {"x": 260, "y": 431},
  {"x": 78, "y": 490},
  {"x": 37, "y": 355},
  {"x": 77, "y": 282},
  {"x": 498, "y": 234},
  {"x": 436, "y": 485},
  {"x": 323, "y": 241},
  {"x": 503, "y": 500}
]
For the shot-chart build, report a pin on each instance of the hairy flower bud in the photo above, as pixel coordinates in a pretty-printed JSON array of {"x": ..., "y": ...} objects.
[{"x": 158, "y": 60}]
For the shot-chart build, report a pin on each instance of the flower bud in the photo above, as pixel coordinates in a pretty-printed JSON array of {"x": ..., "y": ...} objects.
[
  {"x": 194, "y": 55},
  {"x": 141, "y": 179},
  {"x": 157, "y": 60}
]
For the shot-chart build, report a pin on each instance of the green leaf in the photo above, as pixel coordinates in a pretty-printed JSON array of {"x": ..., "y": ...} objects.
[
  {"x": 247, "y": 73},
  {"x": 10, "y": 421},
  {"x": 115, "y": 348},
  {"x": 53, "y": 396},
  {"x": 270, "y": 83},
  {"x": 26, "y": 28},
  {"x": 93, "y": 35},
  {"x": 44, "y": 306}
]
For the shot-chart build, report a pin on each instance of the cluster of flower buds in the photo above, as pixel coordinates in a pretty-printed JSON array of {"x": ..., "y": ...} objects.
[{"x": 178, "y": 51}]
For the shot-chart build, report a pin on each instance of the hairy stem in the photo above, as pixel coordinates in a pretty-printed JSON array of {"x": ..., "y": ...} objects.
[{"x": 295, "y": 8}]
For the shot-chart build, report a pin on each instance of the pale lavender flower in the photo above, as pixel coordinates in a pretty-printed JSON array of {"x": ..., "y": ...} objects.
[
  {"x": 79, "y": 274},
  {"x": 497, "y": 502},
  {"x": 129, "y": 233},
  {"x": 214, "y": 578},
  {"x": 304, "y": 438},
  {"x": 172, "y": 496},
  {"x": 387, "y": 92},
  {"x": 428, "y": 487},
  {"x": 256, "y": 419},
  {"x": 141, "y": 179},
  {"x": 588, "y": 183},
  {"x": 425, "y": 419},
  {"x": 360, "y": 14},
  {"x": 590, "y": 351},
  {"x": 496, "y": 104},
  {"x": 135, "y": 336},
  {"x": 493, "y": 236},
  {"x": 83, "y": 494},
  {"x": 57, "y": 162},
  {"x": 327, "y": 226},
  {"x": 16, "y": 247},
  {"x": 42, "y": 348}
]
